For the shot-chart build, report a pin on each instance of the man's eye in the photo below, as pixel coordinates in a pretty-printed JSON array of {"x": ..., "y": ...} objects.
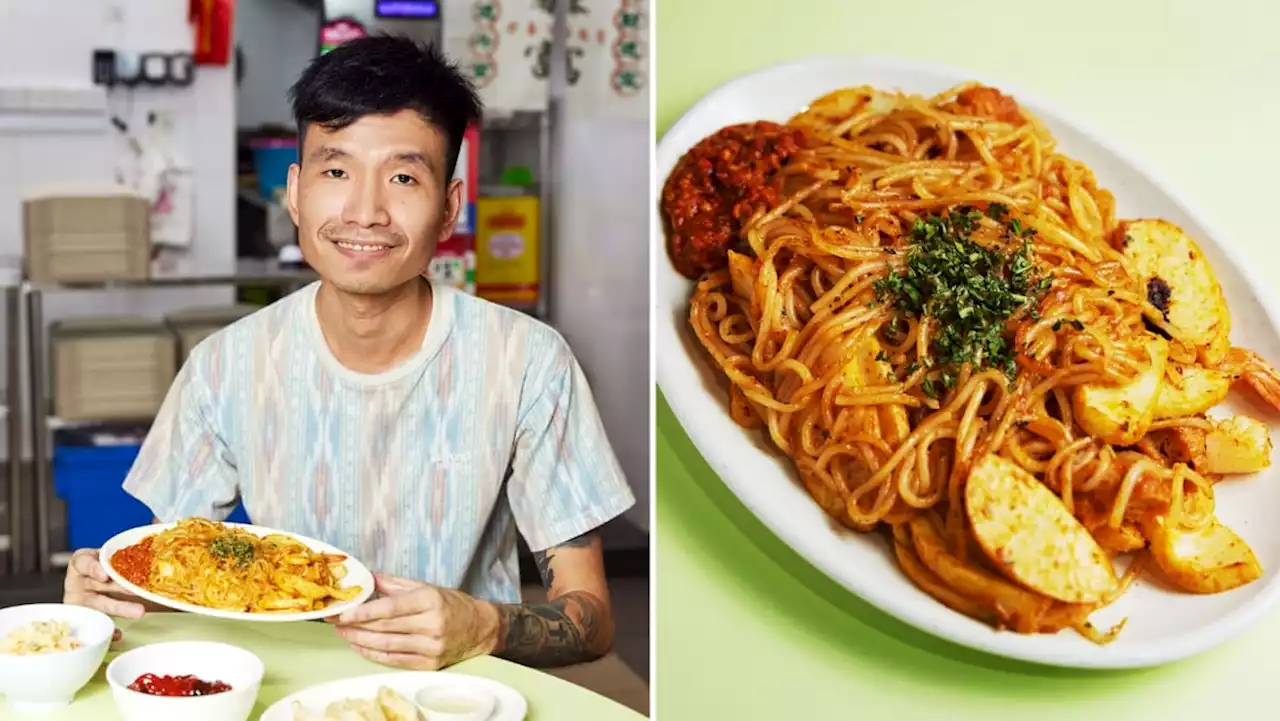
[
  {"x": 335, "y": 173},
  {"x": 402, "y": 179}
]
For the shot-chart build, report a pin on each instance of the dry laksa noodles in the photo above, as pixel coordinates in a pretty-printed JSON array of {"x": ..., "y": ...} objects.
[
  {"x": 216, "y": 566},
  {"x": 939, "y": 320}
]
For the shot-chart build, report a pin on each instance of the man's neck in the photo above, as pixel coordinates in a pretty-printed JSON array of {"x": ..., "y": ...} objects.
[{"x": 372, "y": 334}]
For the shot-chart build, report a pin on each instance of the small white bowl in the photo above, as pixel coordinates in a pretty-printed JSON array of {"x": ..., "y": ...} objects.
[
  {"x": 206, "y": 660},
  {"x": 453, "y": 702},
  {"x": 45, "y": 681}
]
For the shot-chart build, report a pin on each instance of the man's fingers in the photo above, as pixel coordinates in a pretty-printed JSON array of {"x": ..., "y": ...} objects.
[
  {"x": 93, "y": 585},
  {"x": 392, "y": 642},
  {"x": 85, "y": 562},
  {"x": 106, "y": 604},
  {"x": 403, "y": 624},
  {"x": 409, "y": 661},
  {"x": 405, "y": 604},
  {"x": 394, "y": 585}
]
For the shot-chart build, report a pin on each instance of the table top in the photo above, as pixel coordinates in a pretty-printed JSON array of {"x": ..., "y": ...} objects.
[
  {"x": 298, "y": 655},
  {"x": 741, "y": 616}
]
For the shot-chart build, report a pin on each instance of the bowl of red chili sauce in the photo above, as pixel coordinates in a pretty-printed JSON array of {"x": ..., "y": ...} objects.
[{"x": 187, "y": 680}]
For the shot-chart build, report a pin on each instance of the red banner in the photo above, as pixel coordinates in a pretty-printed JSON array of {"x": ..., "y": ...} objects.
[{"x": 213, "y": 23}]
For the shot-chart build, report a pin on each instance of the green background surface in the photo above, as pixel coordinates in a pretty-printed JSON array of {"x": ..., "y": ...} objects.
[
  {"x": 746, "y": 629},
  {"x": 300, "y": 655}
]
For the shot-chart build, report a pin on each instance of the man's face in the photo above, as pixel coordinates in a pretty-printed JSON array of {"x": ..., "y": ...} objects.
[{"x": 371, "y": 201}]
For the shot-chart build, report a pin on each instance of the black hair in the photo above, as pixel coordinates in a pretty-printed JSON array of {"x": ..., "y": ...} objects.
[{"x": 384, "y": 74}]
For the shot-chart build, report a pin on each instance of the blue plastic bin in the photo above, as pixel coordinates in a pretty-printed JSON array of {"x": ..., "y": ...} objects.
[
  {"x": 89, "y": 480},
  {"x": 271, "y": 160}
]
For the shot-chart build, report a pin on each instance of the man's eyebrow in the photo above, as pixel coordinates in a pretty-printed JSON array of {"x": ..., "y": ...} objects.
[
  {"x": 416, "y": 159},
  {"x": 328, "y": 152}
]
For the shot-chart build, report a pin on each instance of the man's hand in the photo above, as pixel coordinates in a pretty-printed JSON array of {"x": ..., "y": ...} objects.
[
  {"x": 87, "y": 584},
  {"x": 419, "y": 626}
]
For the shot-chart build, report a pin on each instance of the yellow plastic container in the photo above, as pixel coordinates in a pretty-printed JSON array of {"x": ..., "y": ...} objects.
[{"x": 507, "y": 249}]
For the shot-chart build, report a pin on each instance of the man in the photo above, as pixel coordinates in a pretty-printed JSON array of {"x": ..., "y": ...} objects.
[{"x": 412, "y": 425}]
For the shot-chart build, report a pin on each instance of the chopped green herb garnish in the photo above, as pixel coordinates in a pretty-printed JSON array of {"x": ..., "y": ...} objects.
[
  {"x": 969, "y": 291},
  {"x": 239, "y": 549},
  {"x": 882, "y": 357},
  {"x": 997, "y": 212}
]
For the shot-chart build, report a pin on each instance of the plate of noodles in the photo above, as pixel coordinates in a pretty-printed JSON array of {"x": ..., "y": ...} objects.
[
  {"x": 236, "y": 570},
  {"x": 971, "y": 360}
]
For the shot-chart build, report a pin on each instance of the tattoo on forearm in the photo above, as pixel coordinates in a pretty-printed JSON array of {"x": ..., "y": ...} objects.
[
  {"x": 568, "y": 630},
  {"x": 543, "y": 558}
]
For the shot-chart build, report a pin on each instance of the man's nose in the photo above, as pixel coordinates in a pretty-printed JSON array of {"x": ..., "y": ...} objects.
[{"x": 366, "y": 205}]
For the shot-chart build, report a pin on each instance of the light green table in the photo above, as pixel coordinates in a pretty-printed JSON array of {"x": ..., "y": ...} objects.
[
  {"x": 746, "y": 629},
  {"x": 298, "y": 655}
]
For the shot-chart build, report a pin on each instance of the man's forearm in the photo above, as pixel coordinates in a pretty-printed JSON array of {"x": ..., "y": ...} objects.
[{"x": 573, "y": 628}]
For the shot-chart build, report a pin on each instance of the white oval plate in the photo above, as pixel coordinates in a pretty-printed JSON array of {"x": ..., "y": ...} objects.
[
  {"x": 510, "y": 706},
  {"x": 357, "y": 575},
  {"x": 1163, "y": 625}
]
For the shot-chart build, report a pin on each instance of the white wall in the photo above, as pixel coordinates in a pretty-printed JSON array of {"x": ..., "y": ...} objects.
[
  {"x": 600, "y": 274},
  {"x": 50, "y": 44},
  {"x": 278, "y": 38}
]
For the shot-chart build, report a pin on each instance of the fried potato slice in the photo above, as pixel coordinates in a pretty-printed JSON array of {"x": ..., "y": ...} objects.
[
  {"x": 395, "y": 706},
  {"x": 1122, "y": 414},
  {"x": 930, "y": 583},
  {"x": 1027, "y": 532},
  {"x": 1209, "y": 559},
  {"x": 840, "y": 105},
  {"x": 1190, "y": 390},
  {"x": 1239, "y": 444},
  {"x": 1015, "y": 607},
  {"x": 1180, "y": 282},
  {"x": 866, "y": 369},
  {"x": 742, "y": 274}
]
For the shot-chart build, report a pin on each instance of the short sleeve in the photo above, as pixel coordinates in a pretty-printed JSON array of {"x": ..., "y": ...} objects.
[
  {"x": 565, "y": 479},
  {"x": 184, "y": 468}
]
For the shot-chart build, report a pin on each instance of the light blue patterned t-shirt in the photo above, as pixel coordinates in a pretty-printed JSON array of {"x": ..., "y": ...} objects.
[{"x": 425, "y": 471}]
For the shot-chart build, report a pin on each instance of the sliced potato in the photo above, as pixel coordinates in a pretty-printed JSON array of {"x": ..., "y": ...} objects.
[
  {"x": 1120, "y": 540},
  {"x": 1015, "y": 607},
  {"x": 840, "y": 105},
  {"x": 1190, "y": 390},
  {"x": 742, "y": 275},
  {"x": 1210, "y": 559},
  {"x": 1180, "y": 282},
  {"x": 1026, "y": 530},
  {"x": 1122, "y": 414},
  {"x": 930, "y": 583},
  {"x": 1239, "y": 444},
  {"x": 865, "y": 369},
  {"x": 395, "y": 706}
]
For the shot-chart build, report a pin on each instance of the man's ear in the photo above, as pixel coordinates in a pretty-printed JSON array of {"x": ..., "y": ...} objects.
[
  {"x": 291, "y": 192},
  {"x": 452, "y": 207}
]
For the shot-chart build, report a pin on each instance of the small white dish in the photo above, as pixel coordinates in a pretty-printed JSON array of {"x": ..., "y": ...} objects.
[
  {"x": 1163, "y": 625},
  {"x": 357, "y": 575},
  {"x": 207, "y": 660},
  {"x": 508, "y": 704},
  {"x": 47, "y": 681},
  {"x": 454, "y": 702}
]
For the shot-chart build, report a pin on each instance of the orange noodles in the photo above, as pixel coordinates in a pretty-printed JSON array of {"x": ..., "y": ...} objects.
[
  {"x": 214, "y": 565},
  {"x": 843, "y": 317}
]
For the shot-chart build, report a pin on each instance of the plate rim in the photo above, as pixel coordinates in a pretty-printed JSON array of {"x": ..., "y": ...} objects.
[
  {"x": 283, "y": 704},
  {"x": 354, "y": 566},
  {"x": 672, "y": 366}
]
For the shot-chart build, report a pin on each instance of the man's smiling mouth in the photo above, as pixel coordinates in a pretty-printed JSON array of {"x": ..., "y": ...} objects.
[{"x": 362, "y": 247}]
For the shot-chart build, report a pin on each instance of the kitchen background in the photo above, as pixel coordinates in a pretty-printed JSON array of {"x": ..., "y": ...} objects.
[{"x": 144, "y": 143}]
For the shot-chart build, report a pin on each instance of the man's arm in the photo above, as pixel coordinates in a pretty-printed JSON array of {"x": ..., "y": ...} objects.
[{"x": 575, "y": 625}]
